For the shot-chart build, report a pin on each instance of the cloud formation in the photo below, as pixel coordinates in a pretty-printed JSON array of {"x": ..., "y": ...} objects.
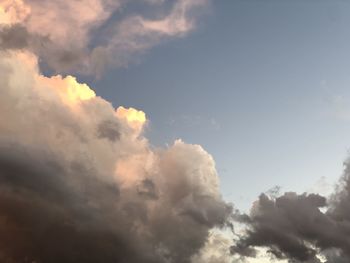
[
  {"x": 80, "y": 183},
  {"x": 300, "y": 227},
  {"x": 87, "y": 36},
  {"x": 78, "y": 180}
]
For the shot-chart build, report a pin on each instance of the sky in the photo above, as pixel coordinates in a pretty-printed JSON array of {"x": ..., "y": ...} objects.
[
  {"x": 262, "y": 85},
  {"x": 174, "y": 131}
]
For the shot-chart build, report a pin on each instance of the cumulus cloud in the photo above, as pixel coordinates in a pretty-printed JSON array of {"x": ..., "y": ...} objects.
[
  {"x": 300, "y": 227},
  {"x": 80, "y": 183},
  {"x": 78, "y": 180},
  {"x": 88, "y": 36}
]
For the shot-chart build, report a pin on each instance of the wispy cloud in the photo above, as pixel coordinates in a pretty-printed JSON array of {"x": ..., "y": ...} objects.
[{"x": 62, "y": 33}]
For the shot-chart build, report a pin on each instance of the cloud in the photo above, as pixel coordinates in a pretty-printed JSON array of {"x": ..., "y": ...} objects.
[
  {"x": 78, "y": 180},
  {"x": 215, "y": 249},
  {"x": 87, "y": 36},
  {"x": 80, "y": 183},
  {"x": 299, "y": 227}
]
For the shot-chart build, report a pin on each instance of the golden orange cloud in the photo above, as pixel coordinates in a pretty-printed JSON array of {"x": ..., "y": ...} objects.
[
  {"x": 135, "y": 118},
  {"x": 70, "y": 90}
]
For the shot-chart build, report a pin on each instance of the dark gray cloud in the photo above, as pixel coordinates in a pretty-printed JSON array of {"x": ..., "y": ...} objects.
[
  {"x": 52, "y": 211},
  {"x": 46, "y": 219},
  {"x": 299, "y": 227},
  {"x": 109, "y": 129},
  {"x": 14, "y": 37},
  {"x": 147, "y": 189}
]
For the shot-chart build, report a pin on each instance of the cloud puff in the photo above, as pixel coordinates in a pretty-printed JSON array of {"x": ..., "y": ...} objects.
[
  {"x": 88, "y": 36},
  {"x": 80, "y": 183}
]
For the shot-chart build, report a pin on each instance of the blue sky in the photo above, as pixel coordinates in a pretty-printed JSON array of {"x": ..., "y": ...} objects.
[{"x": 262, "y": 85}]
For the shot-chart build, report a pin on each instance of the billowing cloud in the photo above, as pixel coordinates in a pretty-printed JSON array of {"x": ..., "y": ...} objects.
[
  {"x": 80, "y": 183},
  {"x": 300, "y": 227},
  {"x": 78, "y": 180},
  {"x": 87, "y": 36}
]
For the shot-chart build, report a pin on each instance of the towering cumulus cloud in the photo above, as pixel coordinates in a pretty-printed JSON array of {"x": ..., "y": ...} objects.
[
  {"x": 86, "y": 36},
  {"x": 79, "y": 182}
]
